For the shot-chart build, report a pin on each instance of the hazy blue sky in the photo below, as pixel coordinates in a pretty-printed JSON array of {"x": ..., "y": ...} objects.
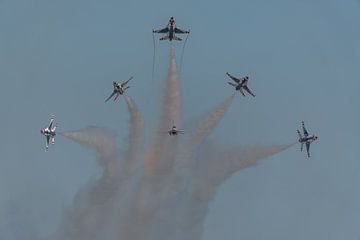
[{"x": 303, "y": 57}]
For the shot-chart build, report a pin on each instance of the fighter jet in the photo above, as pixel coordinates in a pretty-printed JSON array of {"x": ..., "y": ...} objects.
[
  {"x": 307, "y": 139},
  {"x": 49, "y": 133},
  {"x": 240, "y": 84},
  {"x": 119, "y": 89},
  {"x": 170, "y": 31},
  {"x": 174, "y": 131}
]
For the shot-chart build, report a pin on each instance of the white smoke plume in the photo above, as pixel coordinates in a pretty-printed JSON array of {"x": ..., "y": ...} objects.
[
  {"x": 133, "y": 156},
  {"x": 170, "y": 115},
  {"x": 162, "y": 193},
  {"x": 93, "y": 203},
  {"x": 158, "y": 160}
]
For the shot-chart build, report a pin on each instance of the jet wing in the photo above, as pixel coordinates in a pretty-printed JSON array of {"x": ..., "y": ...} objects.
[
  {"x": 164, "y": 30},
  {"x": 164, "y": 38},
  {"x": 110, "y": 96},
  {"x": 308, "y": 149},
  {"x": 233, "y": 78},
  {"x": 126, "y": 82},
  {"x": 242, "y": 92},
  {"x": 177, "y": 38},
  {"x": 178, "y": 30},
  {"x": 117, "y": 95},
  {"x": 51, "y": 123},
  {"x": 47, "y": 142},
  {"x": 248, "y": 90},
  {"x": 232, "y": 84},
  {"x": 304, "y": 130},
  {"x": 298, "y": 132}
]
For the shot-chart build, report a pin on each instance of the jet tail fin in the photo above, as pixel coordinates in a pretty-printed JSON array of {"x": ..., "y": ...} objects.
[
  {"x": 232, "y": 84},
  {"x": 117, "y": 95},
  {"x": 164, "y": 38},
  {"x": 299, "y": 134},
  {"x": 177, "y": 38}
]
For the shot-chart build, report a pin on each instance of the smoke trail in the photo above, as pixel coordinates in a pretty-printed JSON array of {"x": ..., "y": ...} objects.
[
  {"x": 205, "y": 127},
  {"x": 96, "y": 200},
  {"x": 208, "y": 125},
  {"x": 100, "y": 139},
  {"x": 92, "y": 204},
  {"x": 196, "y": 138},
  {"x": 103, "y": 141},
  {"x": 185, "y": 156},
  {"x": 210, "y": 175},
  {"x": 133, "y": 155},
  {"x": 170, "y": 114},
  {"x": 154, "y": 199},
  {"x": 212, "y": 168},
  {"x": 133, "y": 165},
  {"x": 158, "y": 160}
]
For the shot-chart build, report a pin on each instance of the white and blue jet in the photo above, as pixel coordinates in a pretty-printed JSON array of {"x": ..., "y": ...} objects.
[
  {"x": 170, "y": 31},
  {"x": 306, "y": 139},
  {"x": 174, "y": 131},
  {"x": 119, "y": 89},
  {"x": 240, "y": 84},
  {"x": 49, "y": 133}
]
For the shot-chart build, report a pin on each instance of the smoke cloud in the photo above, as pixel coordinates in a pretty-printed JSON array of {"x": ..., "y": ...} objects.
[{"x": 160, "y": 193}]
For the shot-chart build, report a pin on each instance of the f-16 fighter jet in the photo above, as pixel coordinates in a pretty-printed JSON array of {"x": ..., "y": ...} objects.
[
  {"x": 240, "y": 84},
  {"x": 49, "y": 133},
  {"x": 119, "y": 89},
  {"x": 174, "y": 131},
  {"x": 307, "y": 139},
  {"x": 170, "y": 31}
]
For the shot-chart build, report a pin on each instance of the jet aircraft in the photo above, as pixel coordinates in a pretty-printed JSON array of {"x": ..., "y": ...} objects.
[
  {"x": 307, "y": 139},
  {"x": 119, "y": 89},
  {"x": 170, "y": 31},
  {"x": 174, "y": 131},
  {"x": 49, "y": 133},
  {"x": 240, "y": 84}
]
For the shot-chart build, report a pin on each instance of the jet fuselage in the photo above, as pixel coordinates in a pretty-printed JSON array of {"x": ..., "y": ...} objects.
[
  {"x": 239, "y": 86},
  {"x": 308, "y": 139},
  {"x": 171, "y": 29},
  {"x": 48, "y": 132}
]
